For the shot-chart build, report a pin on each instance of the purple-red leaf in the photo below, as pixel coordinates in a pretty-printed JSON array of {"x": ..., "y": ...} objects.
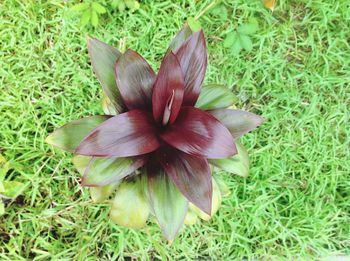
[
  {"x": 200, "y": 134},
  {"x": 135, "y": 79},
  {"x": 168, "y": 90},
  {"x": 180, "y": 38},
  {"x": 238, "y": 122},
  {"x": 190, "y": 174},
  {"x": 128, "y": 134},
  {"x": 103, "y": 58},
  {"x": 192, "y": 56}
]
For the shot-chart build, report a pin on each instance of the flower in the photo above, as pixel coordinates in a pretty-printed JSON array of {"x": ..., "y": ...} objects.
[{"x": 163, "y": 126}]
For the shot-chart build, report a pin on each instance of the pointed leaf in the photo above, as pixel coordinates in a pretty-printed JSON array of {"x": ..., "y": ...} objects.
[
  {"x": 198, "y": 133},
  {"x": 214, "y": 96},
  {"x": 190, "y": 174},
  {"x": 70, "y": 135},
  {"x": 98, "y": 194},
  {"x": 129, "y": 208},
  {"x": 135, "y": 79},
  {"x": 180, "y": 38},
  {"x": 103, "y": 58},
  {"x": 168, "y": 204},
  {"x": 128, "y": 134},
  {"x": 216, "y": 203},
  {"x": 194, "y": 24},
  {"x": 168, "y": 89},
  {"x": 238, "y": 164},
  {"x": 192, "y": 56},
  {"x": 104, "y": 171},
  {"x": 238, "y": 122}
]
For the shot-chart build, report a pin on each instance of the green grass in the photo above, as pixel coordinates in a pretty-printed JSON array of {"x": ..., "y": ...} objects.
[{"x": 294, "y": 204}]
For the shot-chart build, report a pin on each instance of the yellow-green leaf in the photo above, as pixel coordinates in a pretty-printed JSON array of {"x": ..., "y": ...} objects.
[
  {"x": 107, "y": 106},
  {"x": 13, "y": 188},
  {"x": 191, "y": 217},
  {"x": 85, "y": 17},
  {"x": 237, "y": 164},
  {"x": 129, "y": 208},
  {"x": 94, "y": 18},
  {"x": 99, "y": 194},
  {"x": 80, "y": 7},
  {"x": 98, "y": 8}
]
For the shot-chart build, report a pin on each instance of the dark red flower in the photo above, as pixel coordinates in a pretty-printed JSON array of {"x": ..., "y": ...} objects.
[{"x": 160, "y": 126}]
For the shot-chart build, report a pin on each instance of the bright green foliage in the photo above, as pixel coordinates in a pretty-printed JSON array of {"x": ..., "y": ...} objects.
[
  {"x": 8, "y": 189},
  {"x": 91, "y": 10},
  {"x": 241, "y": 38},
  {"x": 294, "y": 205},
  {"x": 220, "y": 11},
  {"x": 123, "y": 4}
]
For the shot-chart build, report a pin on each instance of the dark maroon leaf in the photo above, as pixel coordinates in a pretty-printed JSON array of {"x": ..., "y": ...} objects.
[
  {"x": 103, "y": 58},
  {"x": 168, "y": 90},
  {"x": 238, "y": 122},
  {"x": 190, "y": 174},
  {"x": 127, "y": 134},
  {"x": 180, "y": 38},
  {"x": 135, "y": 79},
  {"x": 198, "y": 133},
  {"x": 192, "y": 56}
]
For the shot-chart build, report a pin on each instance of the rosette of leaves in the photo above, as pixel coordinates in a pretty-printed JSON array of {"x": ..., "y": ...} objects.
[
  {"x": 9, "y": 189},
  {"x": 159, "y": 136}
]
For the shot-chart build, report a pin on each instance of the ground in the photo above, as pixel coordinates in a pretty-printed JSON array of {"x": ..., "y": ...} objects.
[{"x": 294, "y": 204}]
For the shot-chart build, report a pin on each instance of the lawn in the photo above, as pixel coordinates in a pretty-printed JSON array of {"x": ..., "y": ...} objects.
[{"x": 296, "y": 201}]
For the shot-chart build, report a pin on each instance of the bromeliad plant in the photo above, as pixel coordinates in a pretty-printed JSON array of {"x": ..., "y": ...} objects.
[{"x": 161, "y": 132}]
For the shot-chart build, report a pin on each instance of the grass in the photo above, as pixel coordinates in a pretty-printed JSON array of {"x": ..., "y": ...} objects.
[{"x": 294, "y": 205}]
